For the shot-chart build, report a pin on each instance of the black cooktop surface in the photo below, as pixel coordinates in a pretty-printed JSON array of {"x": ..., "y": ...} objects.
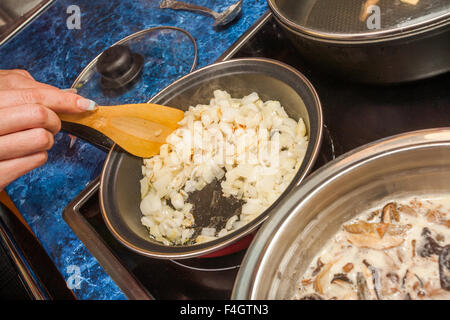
[{"x": 354, "y": 114}]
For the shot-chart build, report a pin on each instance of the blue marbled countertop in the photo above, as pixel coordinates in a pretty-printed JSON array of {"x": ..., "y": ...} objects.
[{"x": 56, "y": 55}]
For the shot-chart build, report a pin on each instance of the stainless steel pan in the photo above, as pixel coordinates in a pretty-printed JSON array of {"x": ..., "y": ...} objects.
[
  {"x": 120, "y": 189},
  {"x": 415, "y": 163},
  {"x": 411, "y": 42}
]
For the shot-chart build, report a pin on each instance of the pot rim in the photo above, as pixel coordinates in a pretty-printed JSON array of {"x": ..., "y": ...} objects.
[
  {"x": 249, "y": 273},
  {"x": 199, "y": 250},
  {"x": 363, "y": 37}
]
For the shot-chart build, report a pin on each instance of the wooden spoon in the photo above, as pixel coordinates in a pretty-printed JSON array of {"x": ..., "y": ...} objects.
[{"x": 140, "y": 129}]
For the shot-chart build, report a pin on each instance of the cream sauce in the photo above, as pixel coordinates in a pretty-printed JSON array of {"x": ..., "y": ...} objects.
[{"x": 374, "y": 256}]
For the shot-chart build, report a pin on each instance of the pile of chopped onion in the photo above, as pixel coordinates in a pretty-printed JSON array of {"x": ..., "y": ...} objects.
[{"x": 251, "y": 145}]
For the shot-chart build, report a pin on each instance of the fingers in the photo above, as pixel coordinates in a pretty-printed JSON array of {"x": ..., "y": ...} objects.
[
  {"x": 25, "y": 117},
  {"x": 57, "y": 100},
  {"x": 27, "y": 123},
  {"x": 12, "y": 169},
  {"x": 17, "y": 87},
  {"x": 23, "y": 143},
  {"x": 20, "y": 81}
]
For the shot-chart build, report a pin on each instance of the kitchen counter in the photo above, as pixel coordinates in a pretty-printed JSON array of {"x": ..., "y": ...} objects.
[{"x": 56, "y": 55}]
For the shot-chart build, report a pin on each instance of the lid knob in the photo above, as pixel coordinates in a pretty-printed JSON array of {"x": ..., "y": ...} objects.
[{"x": 119, "y": 67}]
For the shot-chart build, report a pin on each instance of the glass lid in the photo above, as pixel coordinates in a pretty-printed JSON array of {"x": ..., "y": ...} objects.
[
  {"x": 137, "y": 67},
  {"x": 360, "y": 19}
]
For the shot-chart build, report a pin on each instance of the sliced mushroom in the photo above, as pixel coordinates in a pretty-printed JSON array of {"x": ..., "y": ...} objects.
[
  {"x": 425, "y": 232},
  {"x": 444, "y": 268},
  {"x": 361, "y": 227},
  {"x": 340, "y": 279},
  {"x": 380, "y": 228},
  {"x": 373, "y": 241},
  {"x": 373, "y": 215},
  {"x": 375, "y": 274},
  {"x": 413, "y": 284},
  {"x": 319, "y": 265},
  {"x": 398, "y": 229},
  {"x": 429, "y": 246},
  {"x": 390, "y": 212},
  {"x": 395, "y": 213},
  {"x": 420, "y": 281},
  {"x": 361, "y": 287},
  {"x": 408, "y": 210},
  {"x": 434, "y": 215},
  {"x": 318, "y": 281},
  {"x": 405, "y": 278}
]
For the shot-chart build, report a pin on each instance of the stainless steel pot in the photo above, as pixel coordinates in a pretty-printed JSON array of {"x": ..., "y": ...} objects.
[
  {"x": 411, "y": 43},
  {"x": 415, "y": 163},
  {"x": 120, "y": 189}
]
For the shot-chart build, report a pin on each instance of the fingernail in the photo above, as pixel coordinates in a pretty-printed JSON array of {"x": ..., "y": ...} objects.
[
  {"x": 86, "y": 104},
  {"x": 71, "y": 90}
]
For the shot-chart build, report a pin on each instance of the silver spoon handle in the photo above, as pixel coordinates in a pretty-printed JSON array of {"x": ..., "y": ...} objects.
[{"x": 180, "y": 5}]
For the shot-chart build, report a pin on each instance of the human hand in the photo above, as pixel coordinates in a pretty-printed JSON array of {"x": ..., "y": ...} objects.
[{"x": 28, "y": 121}]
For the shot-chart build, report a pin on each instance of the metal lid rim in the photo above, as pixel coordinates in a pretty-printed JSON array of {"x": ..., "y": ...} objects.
[{"x": 367, "y": 37}]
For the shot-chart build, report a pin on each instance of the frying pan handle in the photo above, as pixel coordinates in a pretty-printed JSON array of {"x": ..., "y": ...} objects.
[{"x": 88, "y": 134}]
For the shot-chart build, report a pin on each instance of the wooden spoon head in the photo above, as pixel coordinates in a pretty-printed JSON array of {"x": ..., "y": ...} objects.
[{"x": 140, "y": 129}]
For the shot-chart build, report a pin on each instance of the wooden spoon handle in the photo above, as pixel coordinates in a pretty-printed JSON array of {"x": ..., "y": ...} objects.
[{"x": 152, "y": 112}]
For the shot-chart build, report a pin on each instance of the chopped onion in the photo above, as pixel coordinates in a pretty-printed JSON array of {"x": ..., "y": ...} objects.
[
  {"x": 251, "y": 146},
  {"x": 209, "y": 232}
]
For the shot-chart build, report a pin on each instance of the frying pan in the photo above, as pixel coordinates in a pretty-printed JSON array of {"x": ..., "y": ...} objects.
[{"x": 119, "y": 184}]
